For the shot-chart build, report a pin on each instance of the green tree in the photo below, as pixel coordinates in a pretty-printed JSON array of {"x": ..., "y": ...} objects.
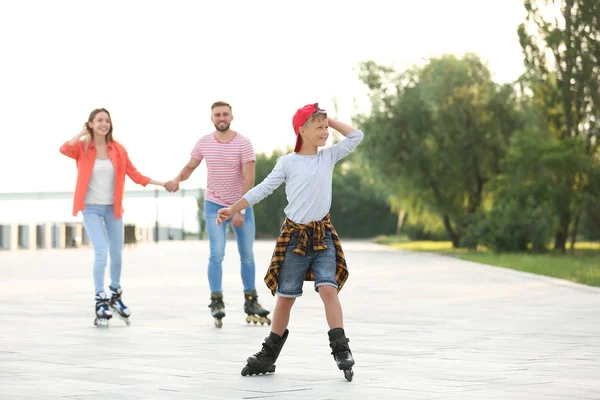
[
  {"x": 358, "y": 208},
  {"x": 561, "y": 46},
  {"x": 412, "y": 218},
  {"x": 440, "y": 130}
]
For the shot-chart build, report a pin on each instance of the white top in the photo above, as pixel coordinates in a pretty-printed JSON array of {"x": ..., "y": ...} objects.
[
  {"x": 101, "y": 189},
  {"x": 308, "y": 180}
]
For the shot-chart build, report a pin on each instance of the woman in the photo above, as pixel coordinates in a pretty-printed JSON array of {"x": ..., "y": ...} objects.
[{"x": 102, "y": 164}]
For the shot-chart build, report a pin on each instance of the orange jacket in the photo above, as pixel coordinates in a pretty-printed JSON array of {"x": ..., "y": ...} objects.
[{"x": 85, "y": 164}]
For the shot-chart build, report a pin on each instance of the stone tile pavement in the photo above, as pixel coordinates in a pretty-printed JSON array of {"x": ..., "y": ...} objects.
[{"x": 421, "y": 326}]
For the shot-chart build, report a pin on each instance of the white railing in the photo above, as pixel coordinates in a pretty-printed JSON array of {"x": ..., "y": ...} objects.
[{"x": 57, "y": 235}]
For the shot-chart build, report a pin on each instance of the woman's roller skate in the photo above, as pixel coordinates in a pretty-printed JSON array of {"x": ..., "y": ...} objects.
[
  {"x": 117, "y": 305},
  {"x": 217, "y": 308},
  {"x": 103, "y": 313},
  {"x": 264, "y": 361},
  {"x": 341, "y": 351},
  {"x": 254, "y": 310}
]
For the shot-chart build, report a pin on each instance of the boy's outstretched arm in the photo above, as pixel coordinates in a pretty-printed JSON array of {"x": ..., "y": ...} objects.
[
  {"x": 225, "y": 213},
  {"x": 253, "y": 196}
]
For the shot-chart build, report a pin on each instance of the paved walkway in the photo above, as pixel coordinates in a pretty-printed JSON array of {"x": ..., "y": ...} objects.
[{"x": 421, "y": 327}]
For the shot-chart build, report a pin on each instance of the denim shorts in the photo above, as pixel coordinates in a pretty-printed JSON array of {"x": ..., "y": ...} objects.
[{"x": 293, "y": 269}]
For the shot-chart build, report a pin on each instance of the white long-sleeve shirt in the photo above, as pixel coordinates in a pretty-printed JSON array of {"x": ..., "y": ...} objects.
[{"x": 308, "y": 180}]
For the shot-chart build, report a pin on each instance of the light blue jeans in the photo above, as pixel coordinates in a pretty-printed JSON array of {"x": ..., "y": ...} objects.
[
  {"x": 106, "y": 235},
  {"x": 244, "y": 236}
]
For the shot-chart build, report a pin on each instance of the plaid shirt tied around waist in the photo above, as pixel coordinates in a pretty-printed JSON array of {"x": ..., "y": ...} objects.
[{"x": 319, "y": 229}]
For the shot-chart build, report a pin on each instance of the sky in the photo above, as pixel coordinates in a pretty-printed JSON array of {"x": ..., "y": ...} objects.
[{"x": 157, "y": 66}]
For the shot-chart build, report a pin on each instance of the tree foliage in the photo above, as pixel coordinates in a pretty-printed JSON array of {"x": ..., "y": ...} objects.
[
  {"x": 561, "y": 47},
  {"x": 441, "y": 130}
]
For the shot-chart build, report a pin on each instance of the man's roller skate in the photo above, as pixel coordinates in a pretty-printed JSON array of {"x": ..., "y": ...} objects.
[
  {"x": 264, "y": 361},
  {"x": 117, "y": 305},
  {"x": 217, "y": 308},
  {"x": 341, "y": 351},
  {"x": 254, "y": 310},
  {"x": 103, "y": 313}
]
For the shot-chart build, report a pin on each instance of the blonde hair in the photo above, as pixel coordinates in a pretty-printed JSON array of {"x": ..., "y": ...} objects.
[{"x": 317, "y": 115}]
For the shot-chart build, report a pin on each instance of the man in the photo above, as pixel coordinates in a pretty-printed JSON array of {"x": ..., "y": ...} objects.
[{"x": 230, "y": 162}]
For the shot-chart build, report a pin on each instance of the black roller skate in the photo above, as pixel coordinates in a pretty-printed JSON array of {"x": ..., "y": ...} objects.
[
  {"x": 103, "y": 313},
  {"x": 341, "y": 352},
  {"x": 217, "y": 308},
  {"x": 264, "y": 361},
  {"x": 254, "y": 310},
  {"x": 117, "y": 305}
]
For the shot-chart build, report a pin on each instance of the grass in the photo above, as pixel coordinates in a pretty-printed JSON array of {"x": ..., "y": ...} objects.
[{"x": 581, "y": 265}]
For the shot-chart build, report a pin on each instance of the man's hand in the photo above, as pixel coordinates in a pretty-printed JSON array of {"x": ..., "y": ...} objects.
[
  {"x": 238, "y": 220},
  {"x": 172, "y": 186}
]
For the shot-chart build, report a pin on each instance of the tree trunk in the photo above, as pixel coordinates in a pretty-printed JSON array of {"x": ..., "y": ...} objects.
[
  {"x": 454, "y": 237},
  {"x": 560, "y": 241},
  {"x": 575, "y": 231},
  {"x": 561, "y": 236},
  {"x": 402, "y": 215}
]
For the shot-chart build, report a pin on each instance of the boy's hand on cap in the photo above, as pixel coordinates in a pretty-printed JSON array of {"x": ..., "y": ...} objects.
[{"x": 223, "y": 215}]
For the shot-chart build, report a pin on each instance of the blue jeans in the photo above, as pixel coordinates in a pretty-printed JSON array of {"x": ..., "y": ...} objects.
[
  {"x": 244, "y": 236},
  {"x": 106, "y": 235},
  {"x": 293, "y": 269}
]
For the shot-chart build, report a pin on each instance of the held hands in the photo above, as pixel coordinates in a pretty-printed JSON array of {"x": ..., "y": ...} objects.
[
  {"x": 172, "y": 186},
  {"x": 224, "y": 214},
  {"x": 238, "y": 219}
]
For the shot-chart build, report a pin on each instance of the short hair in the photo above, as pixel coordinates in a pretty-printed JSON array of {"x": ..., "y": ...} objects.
[
  {"x": 319, "y": 114},
  {"x": 220, "y": 104}
]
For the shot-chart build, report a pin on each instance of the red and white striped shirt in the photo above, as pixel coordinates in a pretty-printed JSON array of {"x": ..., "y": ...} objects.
[{"x": 224, "y": 166}]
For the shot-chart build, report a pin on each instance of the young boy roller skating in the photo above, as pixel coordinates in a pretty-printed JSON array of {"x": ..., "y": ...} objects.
[{"x": 308, "y": 247}]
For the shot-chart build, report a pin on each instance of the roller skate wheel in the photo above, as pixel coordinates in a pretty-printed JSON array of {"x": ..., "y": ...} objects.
[
  {"x": 218, "y": 323},
  {"x": 248, "y": 319},
  {"x": 348, "y": 374},
  {"x": 127, "y": 321},
  {"x": 102, "y": 322}
]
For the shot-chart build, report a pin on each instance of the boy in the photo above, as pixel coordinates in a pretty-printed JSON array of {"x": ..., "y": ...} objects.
[{"x": 308, "y": 247}]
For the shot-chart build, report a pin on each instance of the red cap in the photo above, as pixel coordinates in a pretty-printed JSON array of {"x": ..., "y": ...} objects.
[{"x": 301, "y": 116}]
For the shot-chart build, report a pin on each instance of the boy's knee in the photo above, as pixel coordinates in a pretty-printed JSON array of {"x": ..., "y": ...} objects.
[
  {"x": 328, "y": 292},
  {"x": 286, "y": 302}
]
